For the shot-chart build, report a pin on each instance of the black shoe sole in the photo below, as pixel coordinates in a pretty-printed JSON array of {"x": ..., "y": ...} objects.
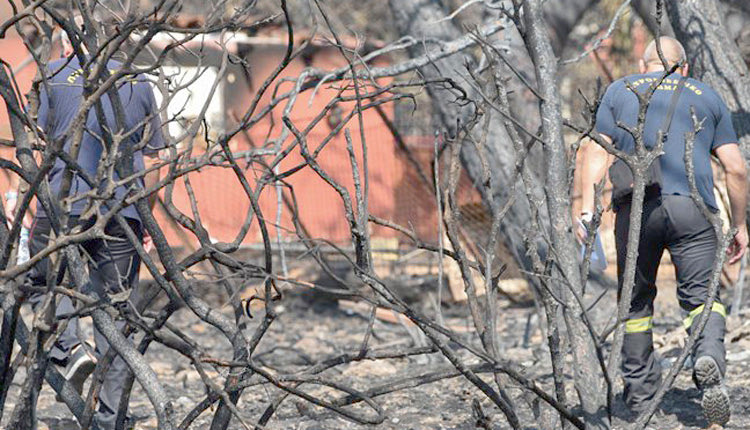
[
  {"x": 715, "y": 405},
  {"x": 715, "y": 402}
]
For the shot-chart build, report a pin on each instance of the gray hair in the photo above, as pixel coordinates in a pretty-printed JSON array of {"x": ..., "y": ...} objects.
[{"x": 78, "y": 24}]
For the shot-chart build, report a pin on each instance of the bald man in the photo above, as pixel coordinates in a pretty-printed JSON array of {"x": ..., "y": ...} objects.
[{"x": 671, "y": 219}]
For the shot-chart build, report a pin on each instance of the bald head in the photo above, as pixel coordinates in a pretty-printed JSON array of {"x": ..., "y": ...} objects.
[{"x": 671, "y": 48}]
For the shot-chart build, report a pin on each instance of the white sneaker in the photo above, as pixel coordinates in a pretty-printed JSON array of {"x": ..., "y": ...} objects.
[{"x": 80, "y": 366}]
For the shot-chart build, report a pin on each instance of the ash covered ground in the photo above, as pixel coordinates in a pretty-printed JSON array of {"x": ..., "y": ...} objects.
[{"x": 312, "y": 327}]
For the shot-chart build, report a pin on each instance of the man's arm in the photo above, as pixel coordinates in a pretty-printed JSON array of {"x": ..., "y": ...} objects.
[
  {"x": 151, "y": 177},
  {"x": 595, "y": 161},
  {"x": 11, "y": 197},
  {"x": 736, "y": 176},
  {"x": 156, "y": 143},
  {"x": 149, "y": 180}
]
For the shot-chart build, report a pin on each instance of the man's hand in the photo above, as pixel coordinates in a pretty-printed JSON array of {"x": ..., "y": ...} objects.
[
  {"x": 738, "y": 246},
  {"x": 581, "y": 230}
]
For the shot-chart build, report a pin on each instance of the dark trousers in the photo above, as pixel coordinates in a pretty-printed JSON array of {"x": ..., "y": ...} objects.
[
  {"x": 675, "y": 223},
  {"x": 113, "y": 268}
]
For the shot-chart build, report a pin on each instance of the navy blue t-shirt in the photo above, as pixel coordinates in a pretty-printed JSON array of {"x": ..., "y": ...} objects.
[
  {"x": 621, "y": 105},
  {"x": 58, "y": 109}
]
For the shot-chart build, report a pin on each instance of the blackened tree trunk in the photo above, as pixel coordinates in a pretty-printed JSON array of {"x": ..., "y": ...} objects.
[
  {"x": 646, "y": 10},
  {"x": 418, "y": 18},
  {"x": 587, "y": 373},
  {"x": 714, "y": 58}
]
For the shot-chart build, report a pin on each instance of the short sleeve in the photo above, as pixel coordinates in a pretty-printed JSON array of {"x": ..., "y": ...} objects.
[
  {"x": 605, "y": 116},
  {"x": 156, "y": 138},
  {"x": 724, "y": 132}
]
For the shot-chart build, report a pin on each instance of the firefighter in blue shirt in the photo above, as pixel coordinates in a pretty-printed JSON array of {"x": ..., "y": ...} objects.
[{"x": 671, "y": 219}]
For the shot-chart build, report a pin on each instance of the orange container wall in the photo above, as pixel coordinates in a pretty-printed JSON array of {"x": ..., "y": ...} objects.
[{"x": 223, "y": 203}]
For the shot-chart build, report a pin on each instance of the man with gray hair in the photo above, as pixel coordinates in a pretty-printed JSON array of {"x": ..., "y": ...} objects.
[{"x": 671, "y": 219}]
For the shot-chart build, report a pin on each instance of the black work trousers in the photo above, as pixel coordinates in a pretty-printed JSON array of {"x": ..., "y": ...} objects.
[
  {"x": 675, "y": 223},
  {"x": 113, "y": 267}
]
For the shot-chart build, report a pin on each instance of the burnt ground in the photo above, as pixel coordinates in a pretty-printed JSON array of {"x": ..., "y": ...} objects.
[{"x": 312, "y": 327}]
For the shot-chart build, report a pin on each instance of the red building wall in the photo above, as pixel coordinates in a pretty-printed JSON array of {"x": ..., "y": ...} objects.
[
  {"x": 222, "y": 201},
  {"x": 395, "y": 191}
]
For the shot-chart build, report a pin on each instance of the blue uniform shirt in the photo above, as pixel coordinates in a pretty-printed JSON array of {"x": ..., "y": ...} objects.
[
  {"x": 621, "y": 105},
  {"x": 58, "y": 109}
]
